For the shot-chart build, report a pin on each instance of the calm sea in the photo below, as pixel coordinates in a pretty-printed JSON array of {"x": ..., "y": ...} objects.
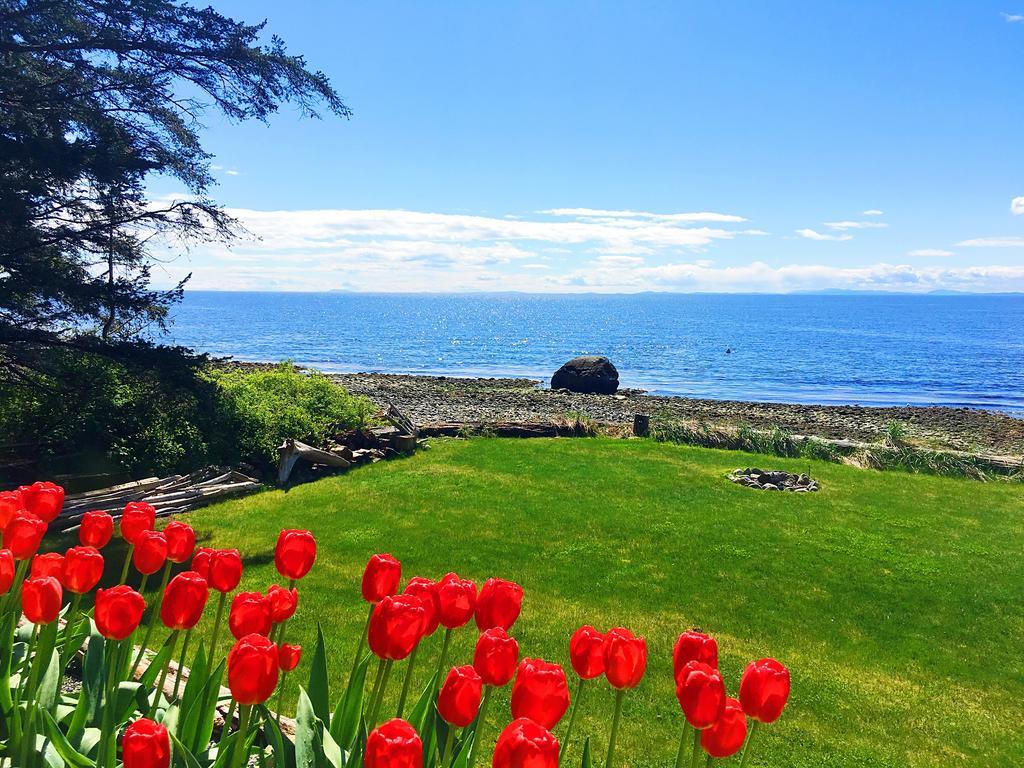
[{"x": 875, "y": 350}]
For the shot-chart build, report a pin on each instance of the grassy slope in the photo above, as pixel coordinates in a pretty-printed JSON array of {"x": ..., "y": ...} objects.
[{"x": 895, "y": 599}]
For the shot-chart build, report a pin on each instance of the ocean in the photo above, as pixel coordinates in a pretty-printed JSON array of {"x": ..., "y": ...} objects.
[{"x": 960, "y": 350}]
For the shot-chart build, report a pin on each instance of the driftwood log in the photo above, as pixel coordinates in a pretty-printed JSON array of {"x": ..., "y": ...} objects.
[{"x": 291, "y": 451}]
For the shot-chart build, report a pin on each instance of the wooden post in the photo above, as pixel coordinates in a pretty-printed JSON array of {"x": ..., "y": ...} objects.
[{"x": 641, "y": 425}]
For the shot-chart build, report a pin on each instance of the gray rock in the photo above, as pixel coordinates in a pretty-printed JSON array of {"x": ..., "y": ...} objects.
[{"x": 589, "y": 374}]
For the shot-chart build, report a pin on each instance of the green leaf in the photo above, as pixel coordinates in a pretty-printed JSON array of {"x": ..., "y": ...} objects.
[
  {"x": 208, "y": 713},
  {"x": 156, "y": 665},
  {"x": 306, "y": 737},
  {"x": 587, "y": 762},
  {"x": 192, "y": 701},
  {"x": 279, "y": 746},
  {"x": 465, "y": 746},
  {"x": 331, "y": 750},
  {"x": 318, "y": 693},
  {"x": 68, "y": 753},
  {"x": 48, "y": 686},
  {"x": 181, "y": 755},
  {"x": 345, "y": 720},
  {"x": 129, "y": 697},
  {"x": 420, "y": 712}
]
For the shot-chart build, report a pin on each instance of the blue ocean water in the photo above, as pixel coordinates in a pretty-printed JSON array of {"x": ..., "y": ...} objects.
[{"x": 962, "y": 350}]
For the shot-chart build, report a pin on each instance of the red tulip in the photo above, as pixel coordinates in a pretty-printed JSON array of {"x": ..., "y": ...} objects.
[
  {"x": 43, "y": 500},
  {"x": 7, "y": 569},
  {"x": 426, "y": 590},
  {"x": 625, "y": 658},
  {"x": 50, "y": 564},
  {"x": 138, "y": 516},
  {"x": 394, "y": 744},
  {"x": 456, "y": 600},
  {"x": 283, "y": 602},
  {"x": 525, "y": 744},
  {"x": 96, "y": 530},
  {"x": 289, "y": 656},
  {"x": 24, "y": 534},
  {"x": 495, "y": 656},
  {"x": 295, "y": 553},
  {"x": 41, "y": 599},
  {"x": 396, "y": 626},
  {"x": 253, "y": 669},
  {"x": 498, "y": 604},
  {"x": 83, "y": 569},
  {"x": 150, "y": 552},
  {"x": 459, "y": 698},
  {"x": 10, "y": 504},
  {"x": 586, "y": 652},
  {"x": 225, "y": 569},
  {"x": 540, "y": 692},
  {"x": 184, "y": 601},
  {"x": 181, "y": 540},
  {"x": 381, "y": 577},
  {"x": 726, "y": 736},
  {"x": 250, "y": 614},
  {"x": 118, "y": 611},
  {"x": 694, "y": 645},
  {"x": 701, "y": 694},
  {"x": 146, "y": 745},
  {"x": 764, "y": 690}
]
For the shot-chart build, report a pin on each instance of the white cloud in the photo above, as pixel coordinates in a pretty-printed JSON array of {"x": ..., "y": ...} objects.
[
  {"x": 811, "y": 234},
  {"x": 597, "y": 213},
  {"x": 844, "y": 225},
  {"x": 872, "y": 212},
  {"x": 1009, "y": 241},
  {"x": 1013, "y": 18},
  {"x": 1017, "y": 206},
  {"x": 930, "y": 252}
]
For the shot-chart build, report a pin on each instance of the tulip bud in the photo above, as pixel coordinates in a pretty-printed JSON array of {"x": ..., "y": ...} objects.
[
  {"x": 426, "y": 590},
  {"x": 184, "y": 601},
  {"x": 250, "y": 615},
  {"x": 7, "y": 569},
  {"x": 701, "y": 694},
  {"x": 394, "y": 744},
  {"x": 24, "y": 534},
  {"x": 96, "y": 530},
  {"x": 83, "y": 569},
  {"x": 495, "y": 657},
  {"x": 625, "y": 658},
  {"x": 50, "y": 564},
  {"x": 41, "y": 599},
  {"x": 726, "y": 736},
  {"x": 694, "y": 645},
  {"x": 146, "y": 745},
  {"x": 540, "y": 692},
  {"x": 525, "y": 744},
  {"x": 181, "y": 540},
  {"x": 456, "y": 600},
  {"x": 283, "y": 603},
  {"x": 253, "y": 669},
  {"x": 43, "y": 499},
  {"x": 380, "y": 578},
  {"x": 459, "y": 698},
  {"x": 225, "y": 569},
  {"x": 150, "y": 552},
  {"x": 118, "y": 611},
  {"x": 396, "y": 626},
  {"x": 498, "y": 604},
  {"x": 289, "y": 656},
  {"x": 586, "y": 652},
  {"x": 295, "y": 553},
  {"x": 10, "y": 504},
  {"x": 764, "y": 690},
  {"x": 138, "y": 516}
]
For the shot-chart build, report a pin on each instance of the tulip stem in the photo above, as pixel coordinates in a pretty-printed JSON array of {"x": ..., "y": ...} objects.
[
  {"x": 13, "y": 594},
  {"x": 239, "y": 751},
  {"x": 444, "y": 656},
  {"x": 280, "y": 698},
  {"x": 153, "y": 617},
  {"x": 572, "y": 719},
  {"x": 380, "y": 696},
  {"x": 408, "y": 680},
  {"x": 181, "y": 665},
  {"x": 127, "y": 561},
  {"x": 216, "y": 627},
  {"x": 683, "y": 741},
  {"x": 173, "y": 639},
  {"x": 448, "y": 742},
  {"x": 481, "y": 721},
  {"x": 108, "y": 746},
  {"x": 619, "y": 696},
  {"x": 750, "y": 740},
  {"x": 695, "y": 759},
  {"x": 362, "y": 644},
  {"x": 376, "y": 688}
]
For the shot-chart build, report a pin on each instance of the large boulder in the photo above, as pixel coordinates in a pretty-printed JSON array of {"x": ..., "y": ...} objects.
[{"x": 590, "y": 374}]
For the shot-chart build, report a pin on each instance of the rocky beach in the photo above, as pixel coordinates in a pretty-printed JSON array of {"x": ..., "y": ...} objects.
[{"x": 434, "y": 399}]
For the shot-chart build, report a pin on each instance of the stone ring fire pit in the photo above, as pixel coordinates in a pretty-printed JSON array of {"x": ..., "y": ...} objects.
[{"x": 773, "y": 480}]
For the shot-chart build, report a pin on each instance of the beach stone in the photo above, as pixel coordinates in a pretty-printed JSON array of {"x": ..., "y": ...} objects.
[
  {"x": 773, "y": 480},
  {"x": 589, "y": 374}
]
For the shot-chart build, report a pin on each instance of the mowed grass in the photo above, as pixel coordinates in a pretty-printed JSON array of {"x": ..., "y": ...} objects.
[{"x": 896, "y": 600}]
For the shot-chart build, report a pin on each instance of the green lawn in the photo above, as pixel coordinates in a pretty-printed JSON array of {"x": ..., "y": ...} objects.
[{"x": 896, "y": 600}]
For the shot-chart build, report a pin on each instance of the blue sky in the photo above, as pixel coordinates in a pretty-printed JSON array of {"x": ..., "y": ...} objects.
[{"x": 676, "y": 146}]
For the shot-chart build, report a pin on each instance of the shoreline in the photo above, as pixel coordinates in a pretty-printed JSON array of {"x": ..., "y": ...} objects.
[{"x": 450, "y": 399}]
